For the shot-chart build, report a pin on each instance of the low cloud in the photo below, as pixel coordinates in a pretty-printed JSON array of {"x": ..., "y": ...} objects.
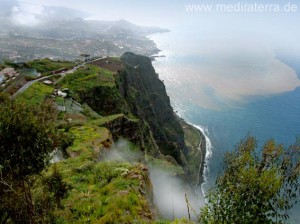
[
  {"x": 121, "y": 151},
  {"x": 26, "y": 14},
  {"x": 34, "y": 14},
  {"x": 169, "y": 195}
]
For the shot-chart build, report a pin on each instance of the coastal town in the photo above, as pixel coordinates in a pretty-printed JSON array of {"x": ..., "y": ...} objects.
[{"x": 95, "y": 38}]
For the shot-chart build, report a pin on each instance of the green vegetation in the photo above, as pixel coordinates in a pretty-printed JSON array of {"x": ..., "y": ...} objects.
[
  {"x": 60, "y": 101},
  {"x": 195, "y": 142},
  {"x": 8, "y": 63},
  {"x": 106, "y": 192},
  {"x": 95, "y": 87},
  {"x": 192, "y": 136},
  {"x": 45, "y": 66},
  {"x": 255, "y": 189},
  {"x": 25, "y": 130},
  {"x": 27, "y": 137},
  {"x": 76, "y": 190},
  {"x": 88, "y": 78},
  {"x": 146, "y": 97},
  {"x": 101, "y": 121},
  {"x": 55, "y": 184},
  {"x": 89, "y": 112},
  {"x": 88, "y": 139},
  {"x": 35, "y": 94}
]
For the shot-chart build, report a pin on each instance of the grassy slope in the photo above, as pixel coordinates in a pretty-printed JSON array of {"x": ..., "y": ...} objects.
[
  {"x": 102, "y": 192},
  {"x": 105, "y": 192},
  {"x": 88, "y": 139},
  {"x": 87, "y": 78},
  {"x": 101, "y": 121},
  {"x": 47, "y": 65},
  {"x": 110, "y": 118},
  {"x": 96, "y": 87},
  {"x": 36, "y": 94}
]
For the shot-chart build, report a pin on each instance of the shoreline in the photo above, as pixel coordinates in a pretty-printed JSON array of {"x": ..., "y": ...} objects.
[
  {"x": 206, "y": 158},
  {"x": 202, "y": 148},
  {"x": 206, "y": 151}
]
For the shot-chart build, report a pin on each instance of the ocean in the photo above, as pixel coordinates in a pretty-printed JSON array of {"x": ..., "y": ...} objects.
[{"x": 230, "y": 94}]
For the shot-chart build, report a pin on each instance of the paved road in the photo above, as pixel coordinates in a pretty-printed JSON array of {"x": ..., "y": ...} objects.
[{"x": 27, "y": 85}]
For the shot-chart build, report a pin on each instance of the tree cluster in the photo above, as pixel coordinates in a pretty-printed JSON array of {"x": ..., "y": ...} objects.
[
  {"x": 27, "y": 138},
  {"x": 255, "y": 188}
]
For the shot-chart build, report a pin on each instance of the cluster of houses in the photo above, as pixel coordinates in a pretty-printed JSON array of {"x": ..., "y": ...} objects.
[{"x": 7, "y": 75}]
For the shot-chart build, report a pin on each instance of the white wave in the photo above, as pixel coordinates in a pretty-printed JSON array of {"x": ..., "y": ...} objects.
[{"x": 208, "y": 154}]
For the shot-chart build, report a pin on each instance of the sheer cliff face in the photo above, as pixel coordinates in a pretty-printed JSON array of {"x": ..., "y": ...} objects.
[
  {"x": 146, "y": 97},
  {"x": 136, "y": 91}
]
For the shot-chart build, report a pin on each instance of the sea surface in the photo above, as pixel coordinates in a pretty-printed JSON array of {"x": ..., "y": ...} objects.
[{"x": 231, "y": 98}]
